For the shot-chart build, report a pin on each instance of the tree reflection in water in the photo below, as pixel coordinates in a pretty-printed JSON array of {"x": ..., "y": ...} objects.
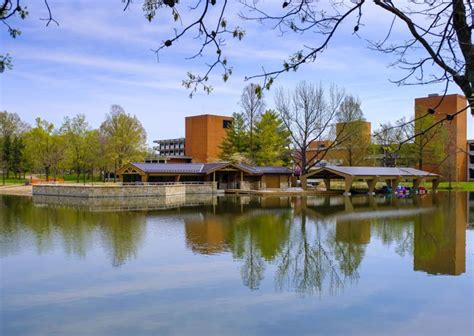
[
  {"x": 319, "y": 244},
  {"x": 77, "y": 230},
  {"x": 313, "y": 245}
]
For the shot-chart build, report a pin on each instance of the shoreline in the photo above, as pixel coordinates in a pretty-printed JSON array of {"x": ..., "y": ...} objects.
[{"x": 16, "y": 190}]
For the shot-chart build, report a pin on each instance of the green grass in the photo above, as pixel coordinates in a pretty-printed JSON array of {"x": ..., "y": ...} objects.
[
  {"x": 458, "y": 186},
  {"x": 12, "y": 181}
]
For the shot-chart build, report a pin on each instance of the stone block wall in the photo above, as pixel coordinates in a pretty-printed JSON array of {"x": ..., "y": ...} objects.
[{"x": 108, "y": 190}]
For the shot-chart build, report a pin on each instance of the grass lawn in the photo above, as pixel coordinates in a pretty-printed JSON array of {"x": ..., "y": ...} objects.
[
  {"x": 459, "y": 186},
  {"x": 11, "y": 181}
]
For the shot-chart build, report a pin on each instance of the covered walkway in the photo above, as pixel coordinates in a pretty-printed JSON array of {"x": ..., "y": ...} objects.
[{"x": 371, "y": 175}]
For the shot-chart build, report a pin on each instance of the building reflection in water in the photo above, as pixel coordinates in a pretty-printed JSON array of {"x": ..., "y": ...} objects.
[
  {"x": 310, "y": 244},
  {"x": 440, "y": 237},
  {"x": 298, "y": 235}
]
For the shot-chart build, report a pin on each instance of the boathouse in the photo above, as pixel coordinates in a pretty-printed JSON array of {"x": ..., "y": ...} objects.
[
  {"x": 225, "y": 174},
  {"x": 371, "y": 175}
]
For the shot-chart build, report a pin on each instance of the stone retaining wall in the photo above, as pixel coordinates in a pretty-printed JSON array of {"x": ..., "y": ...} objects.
[{"x": 122, "y": 190}]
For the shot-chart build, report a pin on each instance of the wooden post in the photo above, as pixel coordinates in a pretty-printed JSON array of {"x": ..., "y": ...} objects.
[
  {"x": 348, "y": 185},
  {"x": 417, "y": 182},
  {"x": 241, "y": 179},
  {"x": 178, "y": 178},
  {"x": 395, "y": 183},
  {"x": 371, "y": 184},
  {"x": 434, "y": 185},
  {"x": 327, "y": 183}
]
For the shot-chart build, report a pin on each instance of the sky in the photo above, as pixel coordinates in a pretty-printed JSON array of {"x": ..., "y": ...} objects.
[{"x": 100, "y": 55}]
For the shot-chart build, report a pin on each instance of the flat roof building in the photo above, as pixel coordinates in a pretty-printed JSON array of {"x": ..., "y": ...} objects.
[
  {"x": 170, "y": 147},
  {"x": 452, "y": 164},
  {"x": 227, "y": 175},
  {"x": 204, "y": 136}
]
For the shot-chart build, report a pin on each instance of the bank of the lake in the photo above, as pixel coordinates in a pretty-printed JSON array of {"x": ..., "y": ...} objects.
[{"x": 237, "y": 265}]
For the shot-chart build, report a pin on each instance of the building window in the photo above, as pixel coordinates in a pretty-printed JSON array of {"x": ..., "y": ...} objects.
[
  {"x": 226, "y": 123},
  {"x": 471, "y": 147}
]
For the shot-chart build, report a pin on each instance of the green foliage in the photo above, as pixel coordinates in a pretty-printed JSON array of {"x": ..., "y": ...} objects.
[
  {"x": 75, "y": 132},
  {"x": 124, "y": 137},
  {"x": 272, "y": 141},
  {"x": 235, "y": 146},
  {"x": 12, "y": 130},
  {"x": 45, "y": 147}
]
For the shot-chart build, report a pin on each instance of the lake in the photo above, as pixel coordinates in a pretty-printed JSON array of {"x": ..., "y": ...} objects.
[{"x": 237, "y": 265}]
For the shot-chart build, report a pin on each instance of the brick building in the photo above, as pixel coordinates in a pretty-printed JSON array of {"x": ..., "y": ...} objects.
[
  {"x": 453, "y": 164},
  {"x": 204, "y": 135}
]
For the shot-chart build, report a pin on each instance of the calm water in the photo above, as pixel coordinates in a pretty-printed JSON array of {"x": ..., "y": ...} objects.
[{"x": 237, "y": 266}]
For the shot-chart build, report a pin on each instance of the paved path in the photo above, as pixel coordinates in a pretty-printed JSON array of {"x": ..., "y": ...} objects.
[{"x": 23, "y": 190}]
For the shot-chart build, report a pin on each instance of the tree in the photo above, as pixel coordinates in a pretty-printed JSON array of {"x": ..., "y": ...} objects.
[
  {"x": 44, "y": 147},
  {"x": 75, "y": 132},
  {"x": 6, "y": 156},
  {"x": 252, "y": 107},
  {"x": 125, "y": 137},
  {"x": 309, "y": 116},
  {"x": 436, "y": 46},
  {"x": 389, "y": 137},
  {"x": 12, "y": 129},
  {"x": 235, "y": 146},
  {"x": 11, "y": 124},
  {"x": 272, "y": 141},
  {"x": 17, "y": 156}
]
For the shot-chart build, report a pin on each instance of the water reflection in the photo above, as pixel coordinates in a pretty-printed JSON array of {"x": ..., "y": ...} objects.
[
  {"x": 309, "y": 245},
  {"x": 440, "y": 238},
  {"x": 77, "y": 230}
]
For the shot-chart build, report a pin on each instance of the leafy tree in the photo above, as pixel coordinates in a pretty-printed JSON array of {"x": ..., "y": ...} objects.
[
  {"x": 272, "y": 141},
  {"x": 235, "y": 146},
  {"x": 12, "y": 129},
  {"x": 125, "y": 137},
  {"x": 75, "y": 132},
  {"x": 6, "y": 156},
  {"x": 44, "y": 147},
  {"x": 17, "y": 159}
]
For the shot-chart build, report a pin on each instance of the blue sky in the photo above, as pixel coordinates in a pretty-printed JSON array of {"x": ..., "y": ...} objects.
[{"x": 100, "y": 55}]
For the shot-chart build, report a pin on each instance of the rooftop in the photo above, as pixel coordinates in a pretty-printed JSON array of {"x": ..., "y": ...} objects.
[
  {"x": 206, "y": 168},
  {"x": 371, "y": 171}
]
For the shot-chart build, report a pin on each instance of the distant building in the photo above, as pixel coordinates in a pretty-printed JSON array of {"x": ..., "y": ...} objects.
[
  {"x": 470, "y": 160},
  {"x": 352, "y": 148},
  {"x": 204, "y": 135},
  {"x": 455, "y": 163},
  {"x": 170, "y": 147}
]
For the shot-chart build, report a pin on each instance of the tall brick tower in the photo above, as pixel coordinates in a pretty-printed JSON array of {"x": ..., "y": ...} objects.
[
  {"x": 455, "y": 164},
  {"x": 204, "y": 134}
]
